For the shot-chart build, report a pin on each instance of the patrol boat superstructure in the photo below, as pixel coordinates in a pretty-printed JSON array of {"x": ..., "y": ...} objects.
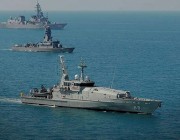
[
  {"x": 81, "y": 93},
  {"x": 37, "y": 21},
  {"x": 48, "y": 45}
]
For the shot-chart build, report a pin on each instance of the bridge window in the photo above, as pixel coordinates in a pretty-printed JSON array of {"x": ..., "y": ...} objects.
[{"x": 66, "y": 84}]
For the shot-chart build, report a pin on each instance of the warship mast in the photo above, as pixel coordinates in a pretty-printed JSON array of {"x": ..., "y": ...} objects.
[
  {"x": 47, "y": 36},
  {"x": 38, "y": 10}
]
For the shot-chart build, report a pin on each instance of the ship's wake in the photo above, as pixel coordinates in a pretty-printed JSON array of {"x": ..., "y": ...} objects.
[
  {"x": 5, "y": 49},
  {"x": 10, "y": 100}
]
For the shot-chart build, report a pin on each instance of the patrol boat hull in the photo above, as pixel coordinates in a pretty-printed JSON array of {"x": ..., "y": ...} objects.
[
  {"x": 81, "y": 93},
  {"x": 131, "y": 106}
]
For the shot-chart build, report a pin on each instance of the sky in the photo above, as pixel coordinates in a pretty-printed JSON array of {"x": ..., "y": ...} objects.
[{"x": 91, "y": 5}]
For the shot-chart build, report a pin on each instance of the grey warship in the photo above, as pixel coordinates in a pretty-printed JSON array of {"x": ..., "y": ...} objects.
[
  {"x": 37, "y": 21},
  {"x": 82, "y": 93},
  {"x": 48, "y": 45}
]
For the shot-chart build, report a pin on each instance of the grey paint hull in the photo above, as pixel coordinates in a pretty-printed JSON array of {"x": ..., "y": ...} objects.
[
  {"x": 58, "y": 26},
  {"x": 38, "y": 49},
  {"x": 118, "y": 105},
  {"x": 81, "y": 93}
]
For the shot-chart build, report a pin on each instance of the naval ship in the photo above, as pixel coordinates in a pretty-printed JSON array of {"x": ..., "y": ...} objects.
[
  {"x": 37, "y": 21},
  {"x": 48, "y": 45},
  {"x": 81, "y": 92}
]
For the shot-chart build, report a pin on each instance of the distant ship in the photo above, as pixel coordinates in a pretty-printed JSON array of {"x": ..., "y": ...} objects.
[
  {"x": 81, "y": 92},
  {"x": 37, "y": 21},
  {"x": 48, "y": 45}
]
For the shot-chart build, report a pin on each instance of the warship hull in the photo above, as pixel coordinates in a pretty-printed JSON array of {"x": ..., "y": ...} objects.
[
  {"x": 141, "y": 107},
  {"x": 56, "y": 26},
  {"x": 38, "y": 21},
  {"x": 43, "y": 49}
]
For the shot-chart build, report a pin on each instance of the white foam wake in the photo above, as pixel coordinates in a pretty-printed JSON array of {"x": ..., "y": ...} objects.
[
  {"x": 5, "y": 49},
  {"x": 10, "y": 100}
]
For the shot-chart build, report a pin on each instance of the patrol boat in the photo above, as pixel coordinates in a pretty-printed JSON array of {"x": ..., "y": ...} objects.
[
  {"x": 37, "y": 21},
  {"x": 82, "y": 93},
  {"x": 48, "y": 45}
]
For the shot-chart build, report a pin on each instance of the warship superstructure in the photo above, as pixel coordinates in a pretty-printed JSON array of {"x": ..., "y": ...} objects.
[
  {"x": 47, "y": 45},
  {"x": 81, "y": 92},
  {"x": 37, "y": 21}
]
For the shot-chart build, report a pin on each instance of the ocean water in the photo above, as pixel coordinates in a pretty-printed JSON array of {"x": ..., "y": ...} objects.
[{"x": 135, "y": 51}]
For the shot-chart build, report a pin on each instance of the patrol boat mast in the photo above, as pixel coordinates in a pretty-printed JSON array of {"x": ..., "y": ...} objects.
[
  {"x": 82, "y": 65},
  {"x": 65, "y": 76}
]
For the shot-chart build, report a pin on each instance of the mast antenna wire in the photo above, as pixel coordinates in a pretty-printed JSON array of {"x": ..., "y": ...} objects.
[{"x": 113, "y": 74}]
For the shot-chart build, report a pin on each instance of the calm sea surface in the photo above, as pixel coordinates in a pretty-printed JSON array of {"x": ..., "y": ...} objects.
[{"x": 142, "y": 50}]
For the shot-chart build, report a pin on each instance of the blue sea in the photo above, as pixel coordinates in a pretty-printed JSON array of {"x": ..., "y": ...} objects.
[{"x": 135, "y": 51}]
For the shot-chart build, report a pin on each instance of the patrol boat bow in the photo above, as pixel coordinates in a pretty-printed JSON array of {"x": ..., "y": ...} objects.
[{"x": 81, "y": 93}]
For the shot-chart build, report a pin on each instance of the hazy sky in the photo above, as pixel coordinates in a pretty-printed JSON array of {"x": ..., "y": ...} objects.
[{"x": 91, "y": 5}]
